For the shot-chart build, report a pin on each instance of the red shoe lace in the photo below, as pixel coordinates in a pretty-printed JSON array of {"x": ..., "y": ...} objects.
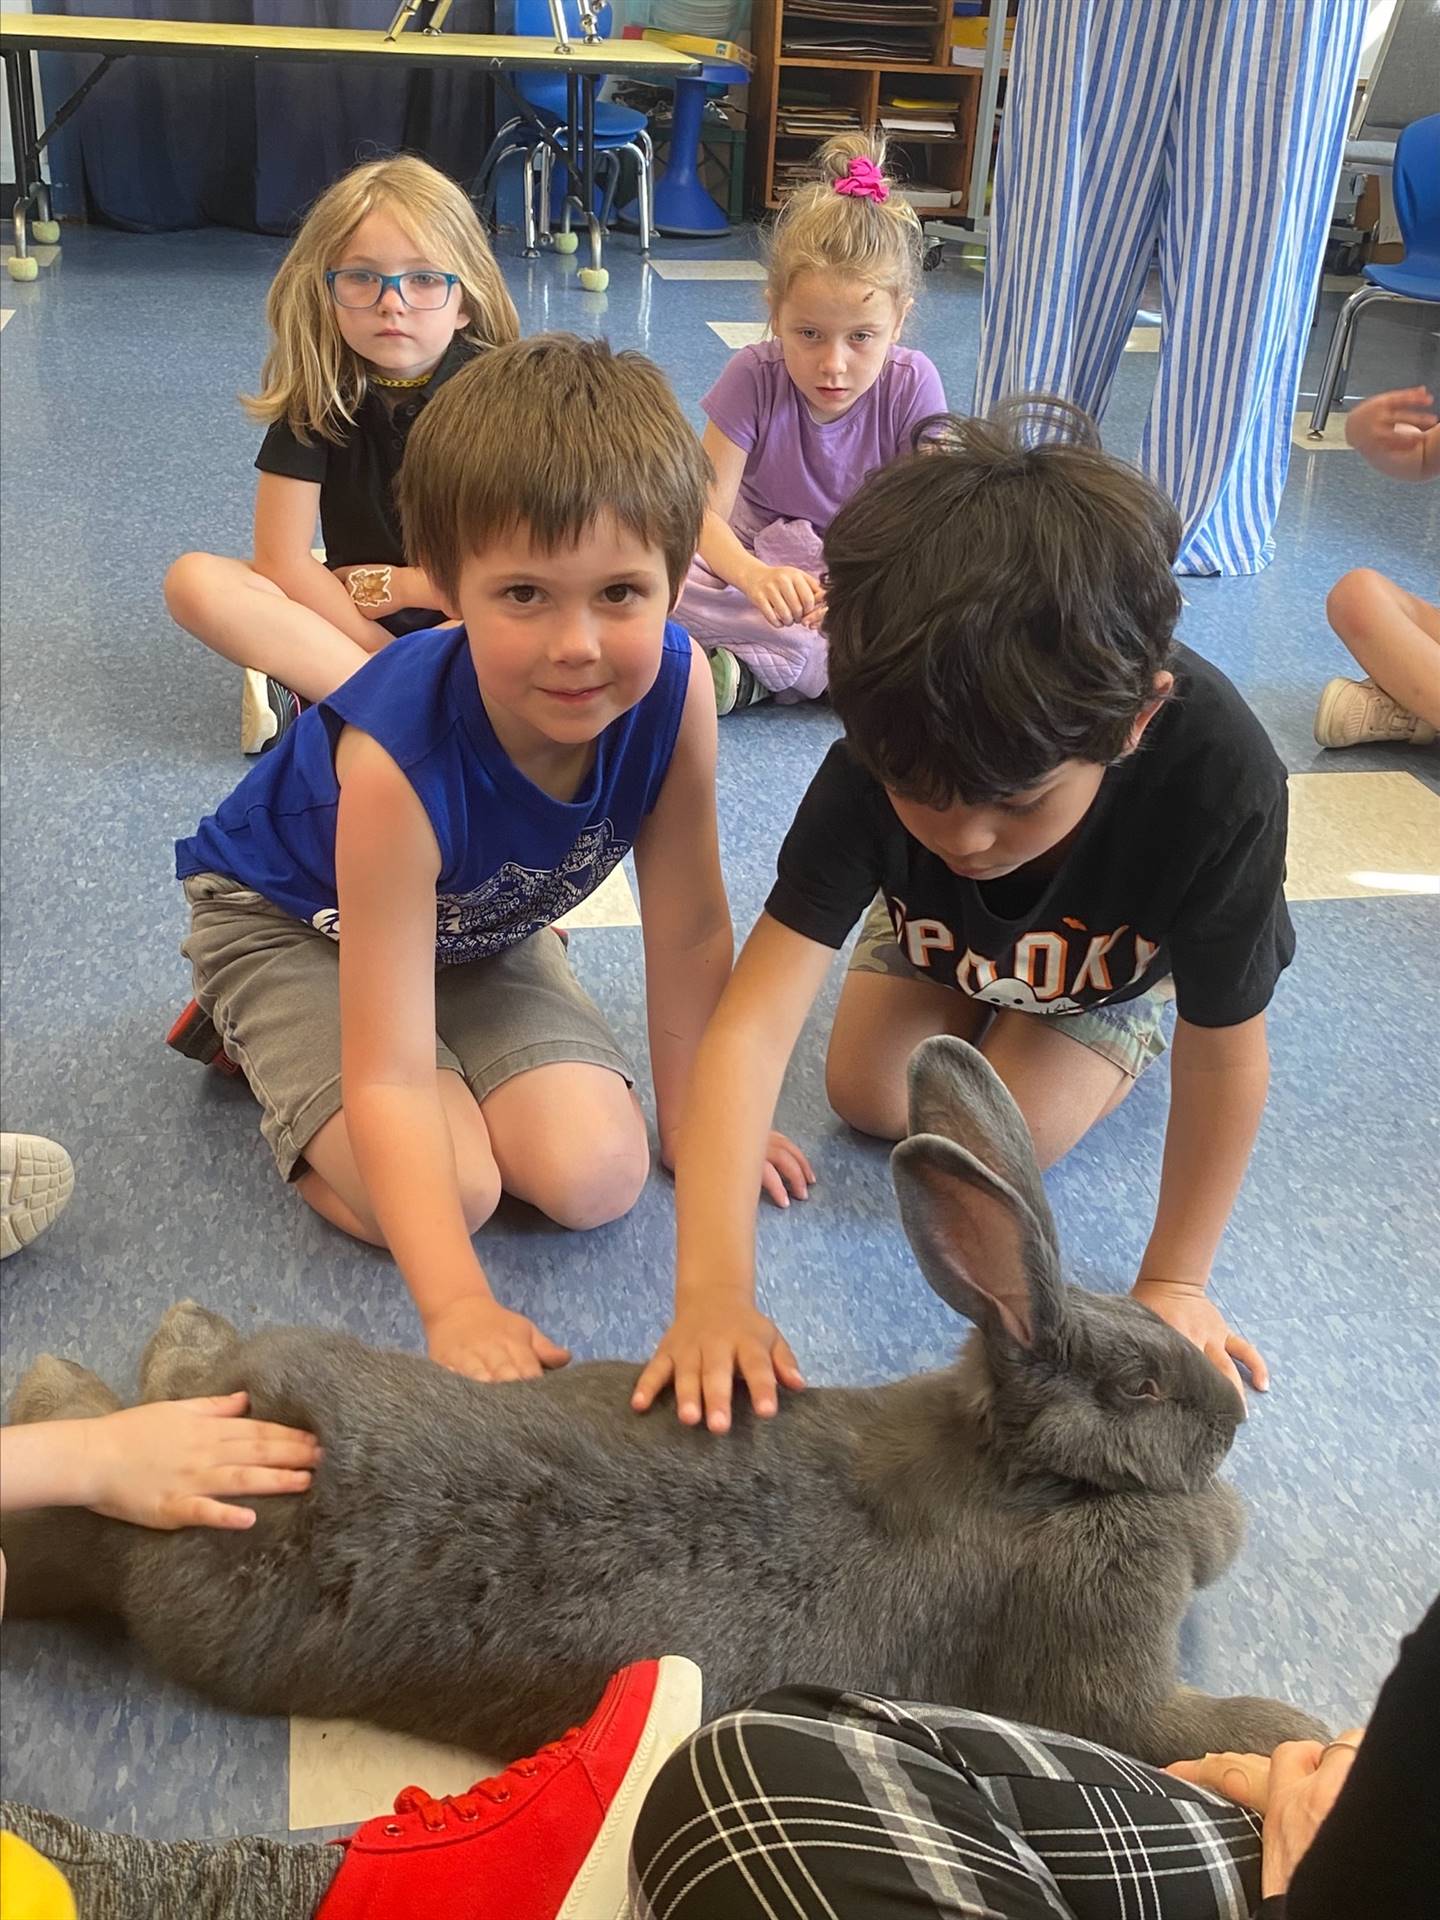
[{"x": 493, "y": 1789}]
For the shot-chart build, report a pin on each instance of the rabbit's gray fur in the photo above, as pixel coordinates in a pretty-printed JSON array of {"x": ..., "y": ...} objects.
[{"x": 1015, "y": 1534}]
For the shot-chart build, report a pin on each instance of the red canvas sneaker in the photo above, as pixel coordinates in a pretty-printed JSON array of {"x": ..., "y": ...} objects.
[
  {"x": 547, "y": 1839},
  {"x": 194, "y": 1034}
]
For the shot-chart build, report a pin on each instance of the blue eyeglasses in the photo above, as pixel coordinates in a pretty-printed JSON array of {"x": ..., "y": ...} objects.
[{"x": 422, "y": 288}]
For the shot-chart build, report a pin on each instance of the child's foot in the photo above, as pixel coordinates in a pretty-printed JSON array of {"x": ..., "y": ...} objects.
[
  {"x": 196, "y": 1036},
  {"x": 1355, "y": 713},
  {"x": 547, "y": 1839},
  {"x": 36, "y": 1180},
  {"x": 735, "y": 685},
  {"x": 268, "y": 710}
]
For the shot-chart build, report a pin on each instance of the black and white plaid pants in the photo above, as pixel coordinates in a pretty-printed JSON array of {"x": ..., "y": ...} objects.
[{"x": 812, "y": 1805}]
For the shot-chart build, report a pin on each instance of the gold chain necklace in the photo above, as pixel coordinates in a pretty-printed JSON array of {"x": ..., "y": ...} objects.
[{"x": 379, "y": 380}]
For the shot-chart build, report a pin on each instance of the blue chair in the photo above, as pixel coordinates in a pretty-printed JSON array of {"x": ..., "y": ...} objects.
[
  {"x": 1416, "y": 277},
  {"x": 618, "y": 130}
]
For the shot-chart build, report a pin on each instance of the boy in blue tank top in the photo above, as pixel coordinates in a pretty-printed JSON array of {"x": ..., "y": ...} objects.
[{"x": 372, "y": 908}]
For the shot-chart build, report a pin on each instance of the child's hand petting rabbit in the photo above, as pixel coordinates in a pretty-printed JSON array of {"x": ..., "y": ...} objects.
[
  {"x": 1186, "y": 1306},
  {"x": 711, "y": 1340},
  {"x": 171, "y": 1464}
]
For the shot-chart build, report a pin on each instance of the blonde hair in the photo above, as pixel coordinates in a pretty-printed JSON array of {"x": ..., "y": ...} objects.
[
  {"x": 550, "y": 434},
  {"x": 311, "y": 379},
  {"x": 819, "y": 230}
]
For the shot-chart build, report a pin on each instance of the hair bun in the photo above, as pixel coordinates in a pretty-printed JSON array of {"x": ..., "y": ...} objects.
[{"x": 833, "y": 159}]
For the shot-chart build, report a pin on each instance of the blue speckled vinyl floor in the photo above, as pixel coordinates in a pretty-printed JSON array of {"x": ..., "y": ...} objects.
[{"x": 121, "y": 445}]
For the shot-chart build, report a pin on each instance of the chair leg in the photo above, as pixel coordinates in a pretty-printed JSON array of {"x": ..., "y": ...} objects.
[
  {"x": 499, "y": 149},
  {"x": 646, "y": 194},
  {"x": 610, "y": 161},
  {"x": 547, "y": 166},
  {"x": 532, "y": 247},
  {"x": 1337, "y": 360}
]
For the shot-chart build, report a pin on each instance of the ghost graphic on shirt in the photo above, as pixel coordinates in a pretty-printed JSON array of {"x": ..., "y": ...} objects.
[{"x": 1016, "y": 993}]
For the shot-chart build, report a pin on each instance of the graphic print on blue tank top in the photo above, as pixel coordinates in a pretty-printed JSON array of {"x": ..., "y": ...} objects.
[{"x": 512, "y": 859}]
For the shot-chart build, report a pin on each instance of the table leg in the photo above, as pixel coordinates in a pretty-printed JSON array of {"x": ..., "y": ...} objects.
[{"x": 22, "y": 264}]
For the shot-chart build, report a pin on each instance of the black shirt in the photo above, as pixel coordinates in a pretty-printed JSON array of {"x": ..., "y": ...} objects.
[
  {"x": 1177, "y": 868},
  {"x": 359, "y": 516},
  {"x": 1377, "y": 1854}
]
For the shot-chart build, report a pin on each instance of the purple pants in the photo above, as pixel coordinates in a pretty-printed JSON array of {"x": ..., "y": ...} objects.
[{"x": 790, "y": 661}]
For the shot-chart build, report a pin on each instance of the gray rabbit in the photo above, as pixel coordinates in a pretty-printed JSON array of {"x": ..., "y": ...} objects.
[{"x": 1019, "y": 1533}]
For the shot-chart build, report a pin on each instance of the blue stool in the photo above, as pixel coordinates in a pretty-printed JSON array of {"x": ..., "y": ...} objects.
[{"x": 682, "y": 204}]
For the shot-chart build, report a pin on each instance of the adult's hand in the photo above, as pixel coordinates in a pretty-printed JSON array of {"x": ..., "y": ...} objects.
[{"x": 1293, "y": 1790}]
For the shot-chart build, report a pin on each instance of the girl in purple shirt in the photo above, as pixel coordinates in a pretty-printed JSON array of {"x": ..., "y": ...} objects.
[{"x": 796, "y": 423}]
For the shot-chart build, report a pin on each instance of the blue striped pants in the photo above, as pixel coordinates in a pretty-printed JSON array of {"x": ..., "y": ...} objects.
[{"x": 1213, "y": 128}]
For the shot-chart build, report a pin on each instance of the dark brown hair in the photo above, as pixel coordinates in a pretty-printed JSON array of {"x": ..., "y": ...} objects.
[
  {"x": 550, "y": 434},
  {"x": 998, "y": 601}
]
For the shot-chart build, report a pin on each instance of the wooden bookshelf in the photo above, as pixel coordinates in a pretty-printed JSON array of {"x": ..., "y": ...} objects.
[{"x": 942, "y": 161}]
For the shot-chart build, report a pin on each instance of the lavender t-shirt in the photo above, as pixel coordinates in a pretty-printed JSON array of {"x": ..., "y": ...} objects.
[{"x": 802, "y": 469}]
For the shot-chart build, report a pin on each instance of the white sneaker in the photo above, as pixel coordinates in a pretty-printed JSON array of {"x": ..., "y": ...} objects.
[
  {"x": 37, "y": 1178},
  {"x": 1356, "y": 713},
  {"x": 268, "y": 709}
]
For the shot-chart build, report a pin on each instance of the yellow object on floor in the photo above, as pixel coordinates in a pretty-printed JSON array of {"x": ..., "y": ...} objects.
[{"x": 30, "y": 1887}]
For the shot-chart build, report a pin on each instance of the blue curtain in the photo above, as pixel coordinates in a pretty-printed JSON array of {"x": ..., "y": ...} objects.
[{"x": 165, "y": 144}]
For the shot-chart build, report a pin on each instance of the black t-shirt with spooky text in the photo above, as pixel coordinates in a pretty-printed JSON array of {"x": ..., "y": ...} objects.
[
  {"x": 359, "y": 514},
  {"x": 1177, "y": 868}
]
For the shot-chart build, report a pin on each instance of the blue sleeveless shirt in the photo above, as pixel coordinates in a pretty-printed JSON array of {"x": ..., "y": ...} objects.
[{"x": 512, "y": 859}]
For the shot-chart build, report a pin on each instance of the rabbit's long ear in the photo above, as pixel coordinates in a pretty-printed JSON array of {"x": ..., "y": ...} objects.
[
  {"x": 977, "y": 1242},
  {"x": 955, "y": 1092}
]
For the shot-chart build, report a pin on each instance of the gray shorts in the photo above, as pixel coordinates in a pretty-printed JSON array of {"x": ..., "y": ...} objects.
[
  {"x": 1127, "y": 1034},
  {"x": 271, "y": 984}
]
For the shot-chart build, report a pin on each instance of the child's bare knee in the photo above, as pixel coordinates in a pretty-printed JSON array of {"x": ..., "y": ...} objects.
[
  {"x": 185, "y": 585},
  {"x": 1351, "y": 603},
  {"x": 479, "y": 1182},
  {"x": 865, "y": 1100},
  {"x": 604, "y": 1188}
]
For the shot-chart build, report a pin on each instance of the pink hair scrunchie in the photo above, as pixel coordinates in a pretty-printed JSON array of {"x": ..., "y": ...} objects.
[{"x": 863, "y": 180}]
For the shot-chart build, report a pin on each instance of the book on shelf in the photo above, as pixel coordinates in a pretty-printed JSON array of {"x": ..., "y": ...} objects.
[
  {"x": 874, "y": 38},
  {"x": 903, "y": 123}
]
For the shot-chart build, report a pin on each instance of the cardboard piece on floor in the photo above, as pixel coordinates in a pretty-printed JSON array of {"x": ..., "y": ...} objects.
[
  {"x": 344, "y": 1771},
  {"x": 1143, "y": 340},
  {"x": 1362, "y": 836},
  {"x": 1332, "y": 441},
  {"x": 708, "y": 269},
  {"x": 611, "y": 905},
  {"x": 739, "y": 333}
]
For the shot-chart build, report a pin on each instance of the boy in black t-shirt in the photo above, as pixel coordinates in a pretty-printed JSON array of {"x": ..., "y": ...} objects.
[{"x": 1068, "y": 818}]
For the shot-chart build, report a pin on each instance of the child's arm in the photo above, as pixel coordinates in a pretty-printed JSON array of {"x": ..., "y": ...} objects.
[
  {"x": 738, "y": 1072},
  {"x": 386, "y": 866},
  {"x": 286, "y": 511},
  {"x": 783, "y": 594},
  {"x": 1398, "y": 433},
  {"x": 686, "y": 921},
  {"x": 1219, "y": 1077},
  {"x": 170, "y": 1464}
]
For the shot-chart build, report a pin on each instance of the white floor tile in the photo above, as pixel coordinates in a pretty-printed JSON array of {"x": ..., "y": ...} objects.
[
  {"x": 343, "y": 1771},
  {"x": 1360, "y": 836},
  {"x": 739, "y": 333},
  {"x": 611, "y": 905},
  {"x": 708, "y": 269},
  {"x": 1334, "y": 440}
]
